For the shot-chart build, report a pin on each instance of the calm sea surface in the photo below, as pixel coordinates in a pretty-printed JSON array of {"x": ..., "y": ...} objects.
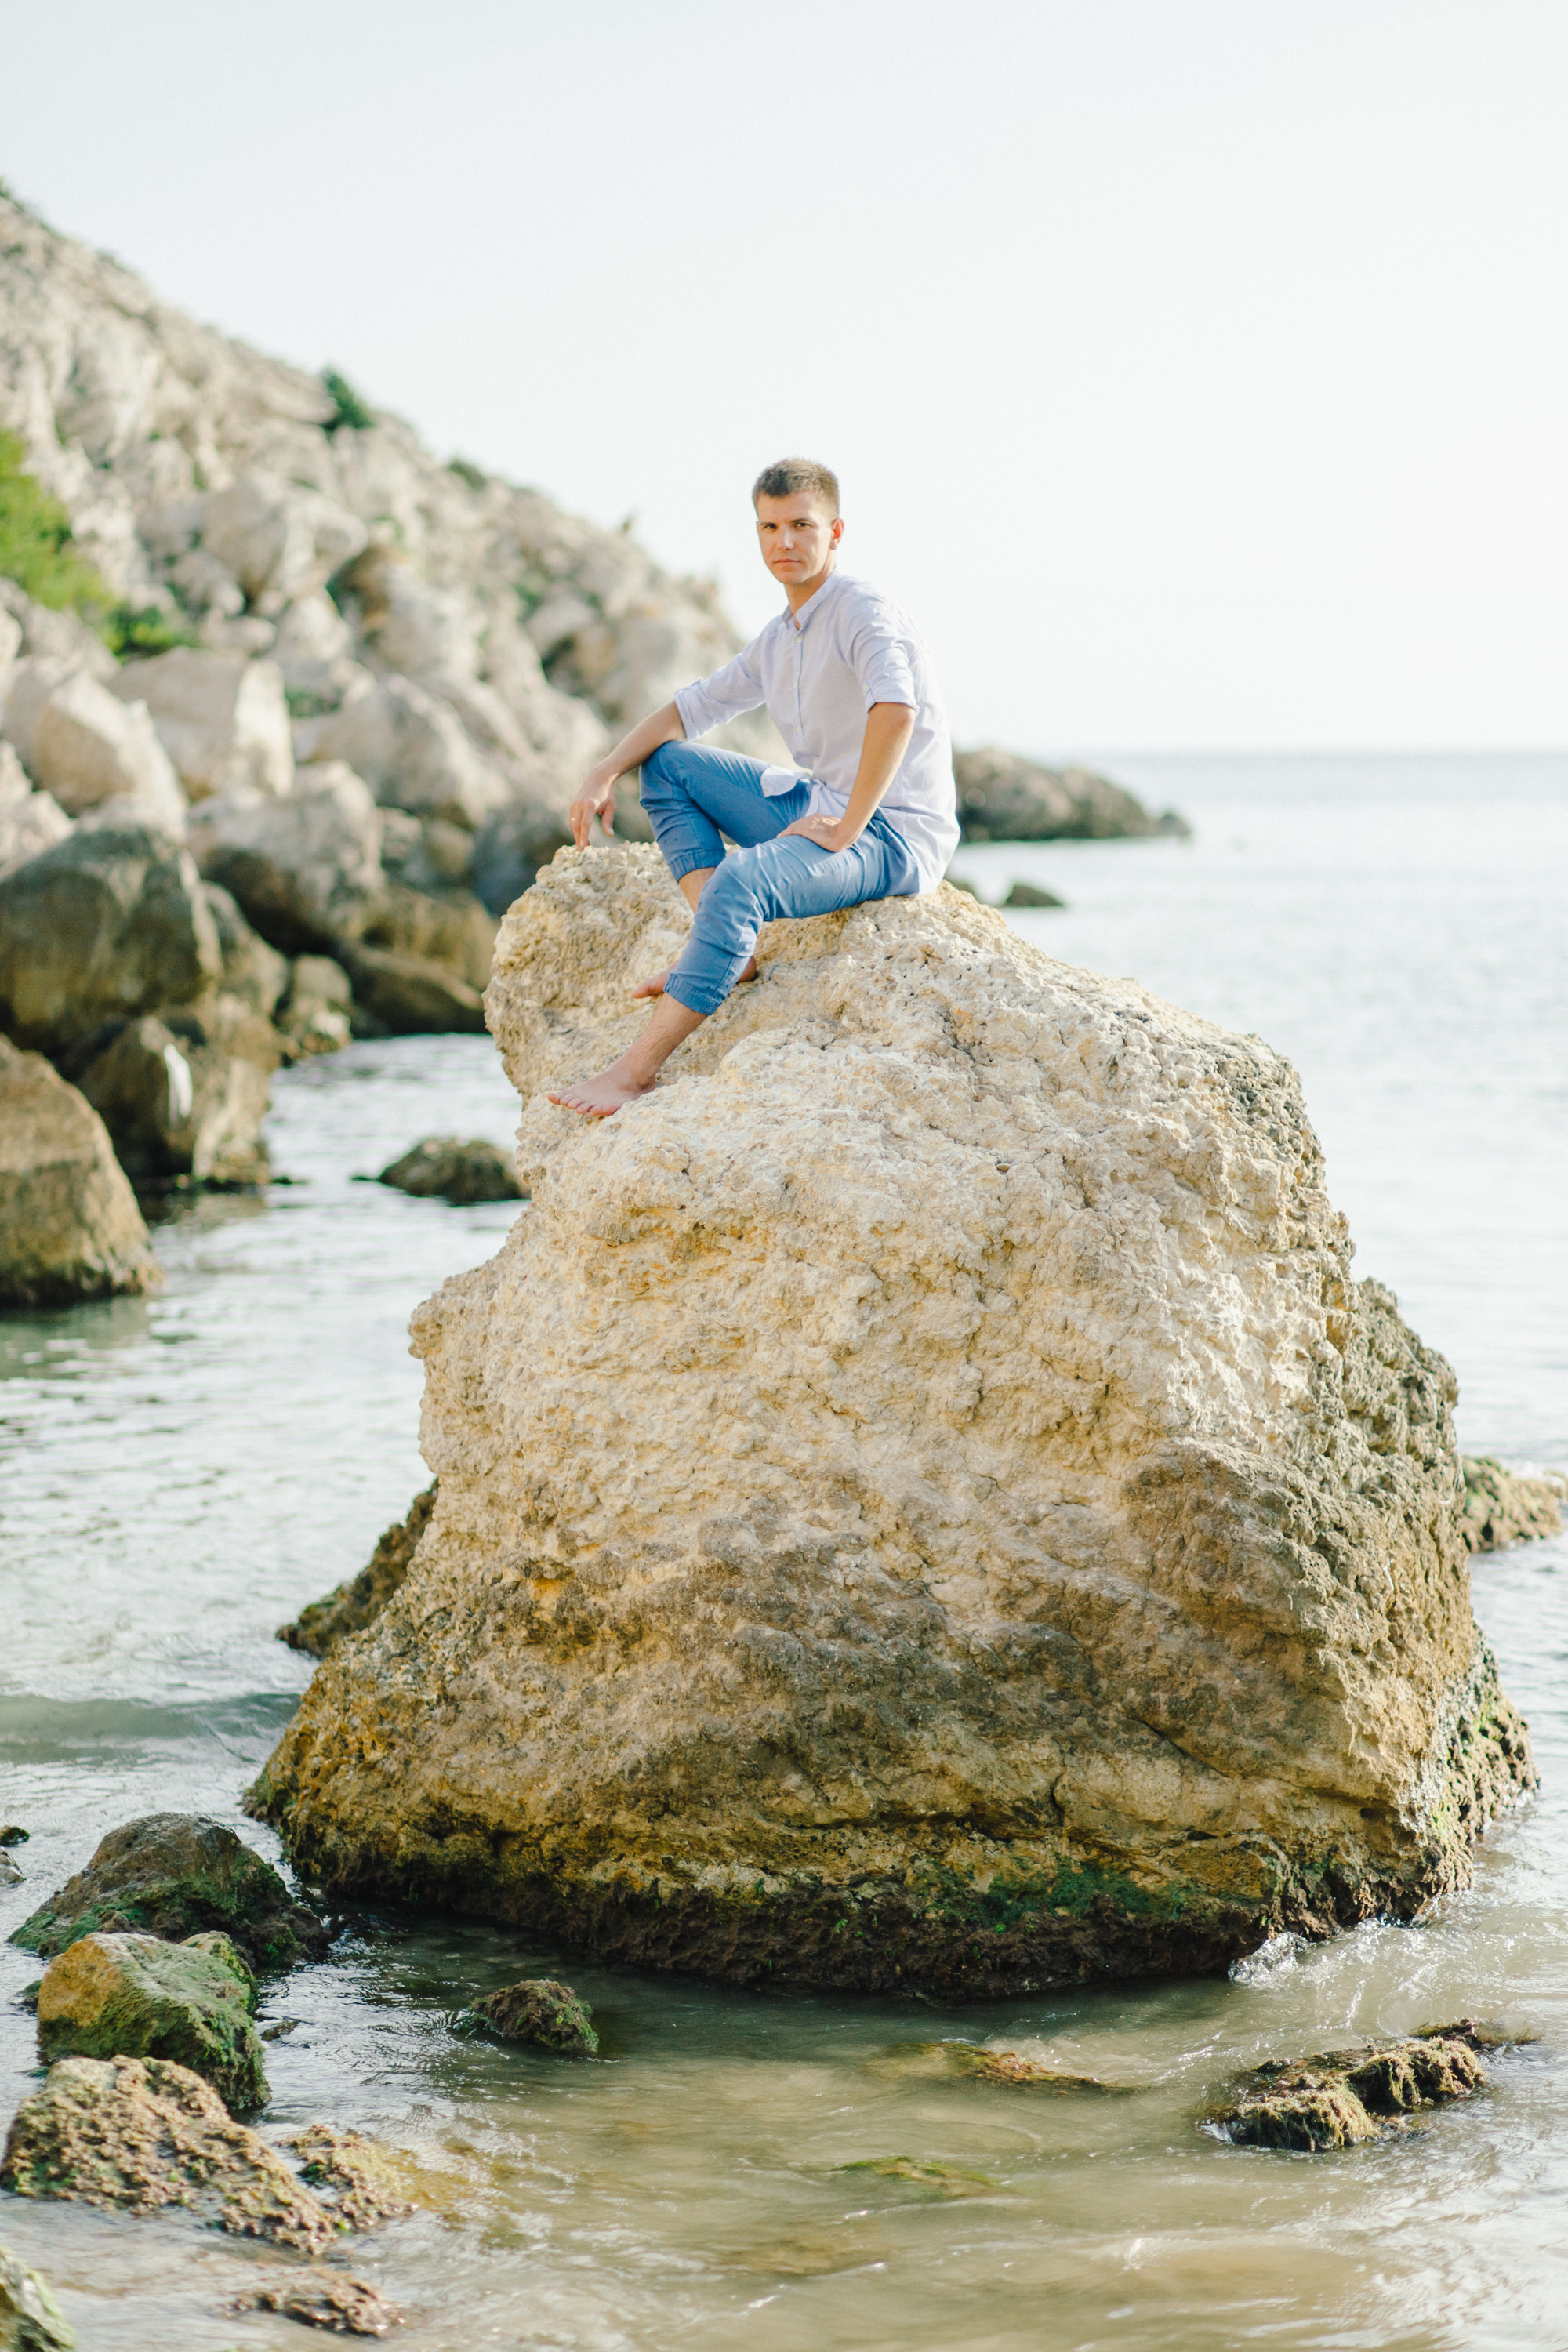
[{"x": 177, "y": 1478}]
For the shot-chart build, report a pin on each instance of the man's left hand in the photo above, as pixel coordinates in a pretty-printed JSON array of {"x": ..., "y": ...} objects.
[{"x": 827, "y": 832}]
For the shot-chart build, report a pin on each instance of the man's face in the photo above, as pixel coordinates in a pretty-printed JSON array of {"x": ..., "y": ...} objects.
[{"x": 797, "y": 535}]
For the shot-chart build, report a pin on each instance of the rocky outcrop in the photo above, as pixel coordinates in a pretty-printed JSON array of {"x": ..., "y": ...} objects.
[
  {"x": 922, "y": 1499},
  {"x": 1356, "y": 2095},
  {"x": 350, "y": 1607},
  {"x": 1501, "y": 1507},
  {"x": 1001, "y": 797},
  {"x": 30, "y": 2318},
  {"x": 139, "y": 2135},
  {"x": 445, "y": 1168},
  {"x": 138, "y": 1997},
  {"x": 176, "y": 1875},
  {"x": 69, "y": 1225}
]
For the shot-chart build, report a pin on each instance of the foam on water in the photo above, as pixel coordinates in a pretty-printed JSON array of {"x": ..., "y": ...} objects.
[{"x": 181, "y": 1475}]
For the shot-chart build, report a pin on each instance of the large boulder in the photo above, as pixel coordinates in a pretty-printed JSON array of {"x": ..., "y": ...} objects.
[
  {"x": 30, "y": 821},
  {"x": 1003, "y": 797},
  {"x": 280, "y": 539},
  {"x": 90, "y": 751},
  {"x": 109, "y": 924},
  {"x": 177, "y": 1876},
  {"x": 413, "y": 750},
  {"x": 305, "y": 869},
  {"x": 220, "y": 716},
  {"x": 184, "y": 1094},
  {"x": 138, "y": 1997},
  {"x": 69, "y": 1225},
  {"x": 923, "y": 1500}
]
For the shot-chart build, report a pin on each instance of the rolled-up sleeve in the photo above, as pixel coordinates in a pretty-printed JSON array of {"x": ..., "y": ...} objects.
[
  {"x": 883, "y": 660},
  {"x": 737, "y": 687}
]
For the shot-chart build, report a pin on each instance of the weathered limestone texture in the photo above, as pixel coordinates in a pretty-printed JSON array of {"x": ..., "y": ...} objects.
[
  {"x": 69, "y": 1225},
  {"x": 921, "y": 1497}
]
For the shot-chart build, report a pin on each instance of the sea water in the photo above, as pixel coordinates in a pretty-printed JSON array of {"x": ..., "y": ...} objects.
[{"x": 180, "y": 1474}]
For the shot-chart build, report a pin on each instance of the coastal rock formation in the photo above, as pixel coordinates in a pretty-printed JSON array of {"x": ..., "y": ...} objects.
[
  {"x": 1356, "y": 2095},
  {"x": 922, "y": 1498},
  {"x": 176, "y": 1875},
  {"x": 541, "y": 2011},
  {"x": 138, "y": 1997},
  {"x": 1001, "y": 797},
  {"x": 445, "y": 1168},
  {"x": 137, "y": 2136},
  {"x": 1502, "y": 1507},
  {"x": 69, "y": 1225}
]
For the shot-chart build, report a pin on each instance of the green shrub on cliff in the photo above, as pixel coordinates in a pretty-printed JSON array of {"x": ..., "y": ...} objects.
[
  {"x": 348, "y": 408},
  {"x": 35, "y": 549}
]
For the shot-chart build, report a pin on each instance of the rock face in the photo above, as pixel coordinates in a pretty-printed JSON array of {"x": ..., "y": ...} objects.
[
  {"x": 1001, "y": 797},
  {"x": 922, "y": 1499},
  {"x": 351, "y": 1606},
  {"x": 69, "y": 1225},
  {"x": 137, "y": 1997},
  {"x": 445, "y": 1168},
  {"x": 174, "y": 1875},
  {"x": 135, "y": 2136}
]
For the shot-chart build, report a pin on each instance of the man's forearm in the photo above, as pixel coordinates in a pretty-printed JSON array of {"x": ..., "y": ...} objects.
[
  {"x": 597, "y": 796},
  {"x": 888, "y": 726}
]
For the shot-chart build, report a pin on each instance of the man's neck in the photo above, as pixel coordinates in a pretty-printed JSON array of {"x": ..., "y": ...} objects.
[{"x": 806, "y": 589}]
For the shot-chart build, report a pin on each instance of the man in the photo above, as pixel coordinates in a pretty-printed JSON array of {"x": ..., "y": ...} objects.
[{"x": 869, "y": 810}]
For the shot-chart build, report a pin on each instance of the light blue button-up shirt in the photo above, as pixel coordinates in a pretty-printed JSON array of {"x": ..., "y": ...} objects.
[{"x": 818, "y": 672}]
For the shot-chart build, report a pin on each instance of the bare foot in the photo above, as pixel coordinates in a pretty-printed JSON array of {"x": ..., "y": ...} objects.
[
  {"x": 656, "y": 986},
  {"x": 602, "y": 1097}
]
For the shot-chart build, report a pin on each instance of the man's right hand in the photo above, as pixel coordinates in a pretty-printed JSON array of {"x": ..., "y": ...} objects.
[{"x": 596, "y": 799}]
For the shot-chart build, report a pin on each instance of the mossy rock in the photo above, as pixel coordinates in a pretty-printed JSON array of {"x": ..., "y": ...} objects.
[
  {"x": 30, "y": 2318},
  {"x": 135, "y": 1997},
  {"x": 541, "y": 2011},
  {"x": 1342, "y": 2097},
  {"x": 174, "y": 1875}
]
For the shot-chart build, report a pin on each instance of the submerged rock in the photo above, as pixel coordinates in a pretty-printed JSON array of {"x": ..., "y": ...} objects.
[
  {"x": 445, "y": 1168},
  {"x": 1349, "y": 2096},
  {"x": 137, "y": 1997},
  {"x": 30, "y": 2318},
  {"x": 922, "y": 1498},
  {"x": 69, "y": 1225},
  {"x": 1029, "y": 893},
  {"x": 541, "y": 2010},
  {"x": 350, "y": 1607},
  {"x": 173, "y": 1876},
  {"x": 1500, "y": 1508},
  {"x": 135, "y": 2135},
  {"x": 326, "y": 2299},
  {"x": 357, "y": 2178}
]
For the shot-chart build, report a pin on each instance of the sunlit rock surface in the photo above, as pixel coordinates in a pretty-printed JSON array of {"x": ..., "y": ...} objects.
[{"x": 921, "y": 1496}]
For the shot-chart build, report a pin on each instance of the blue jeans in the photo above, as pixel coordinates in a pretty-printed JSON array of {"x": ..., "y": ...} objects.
[{"x": 694, "y": 795}]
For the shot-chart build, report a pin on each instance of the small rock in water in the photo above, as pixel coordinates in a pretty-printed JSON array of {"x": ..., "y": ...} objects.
[
  {"x": 320, "y": 2298},
  {"x": 351, "y": 1606},
  {"x": 985, "y": 2065},
  {"x": 1026, "y": 894},
  {"x": 538, "y": 2009},
  {"x": 1343, "y": 2097},
  {"x": 444, "y": 1167},
  {"x": 12, "y": 1834},
  {"x": 9, "y": 1874},
  {"x": 358, "y": 2180},
  {"x": 30, "y": 2318},
  {"x": 948, "y": 2177},
  {"x": 1500, "y": 1508},
  {"x": 135, "y": 2135},
  {"x": 174, "y": 1875},
  {"x": 135, "y": 1996}
]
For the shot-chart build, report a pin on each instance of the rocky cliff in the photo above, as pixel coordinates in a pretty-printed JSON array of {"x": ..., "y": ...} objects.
[{"x": 921, "y": 1496}]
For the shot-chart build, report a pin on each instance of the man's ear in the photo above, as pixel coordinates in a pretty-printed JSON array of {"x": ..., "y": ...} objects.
[{"x": 837, "y": 529}]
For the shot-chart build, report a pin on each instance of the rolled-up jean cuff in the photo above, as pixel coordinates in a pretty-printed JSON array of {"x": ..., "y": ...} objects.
[
  {"x": 689, "y": 992},
  {"x": 684, "y": 861}
]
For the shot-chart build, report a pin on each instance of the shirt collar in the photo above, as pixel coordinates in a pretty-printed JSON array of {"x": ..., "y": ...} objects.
[{"x": 798, "y": 621}]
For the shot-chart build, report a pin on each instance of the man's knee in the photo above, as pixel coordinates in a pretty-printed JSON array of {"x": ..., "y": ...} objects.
[{"x": 659, "y": 772}]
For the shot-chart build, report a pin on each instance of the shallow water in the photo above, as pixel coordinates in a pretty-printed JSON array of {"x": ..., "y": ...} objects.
[{"x": 181, "y": 1475}]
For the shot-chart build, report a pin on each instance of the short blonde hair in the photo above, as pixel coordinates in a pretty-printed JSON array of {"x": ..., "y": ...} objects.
[{"x": 789, "y": 476}]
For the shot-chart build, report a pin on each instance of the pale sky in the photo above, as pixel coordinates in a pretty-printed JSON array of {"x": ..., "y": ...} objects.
[{"x": 1197, "y": 369}]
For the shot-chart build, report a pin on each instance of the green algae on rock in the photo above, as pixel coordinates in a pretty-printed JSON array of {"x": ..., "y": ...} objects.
[
  {"x": 923, "y": 1502},
  {"x": 1345, "y": 2097},
  {"x": 135, "y": 2136},
  {"x": 30, "y": 2318},
  {"x": 176, "y": 1875},
  {"x": 137, "y": 1997},
  {"x": 543, "y": 2012}
]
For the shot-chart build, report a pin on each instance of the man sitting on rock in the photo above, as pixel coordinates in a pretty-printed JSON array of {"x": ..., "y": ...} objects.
[{"x": 868, "y": 811}]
